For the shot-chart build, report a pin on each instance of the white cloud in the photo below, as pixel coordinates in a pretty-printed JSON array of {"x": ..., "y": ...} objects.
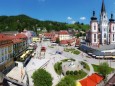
[
  {"x": 83, "y": 18},
  {"x": 73, "y": 21},
  {"x": 69, "y": 18}
]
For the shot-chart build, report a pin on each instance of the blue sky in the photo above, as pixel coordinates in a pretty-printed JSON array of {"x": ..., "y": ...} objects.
[{"x": 56, "y": 10}]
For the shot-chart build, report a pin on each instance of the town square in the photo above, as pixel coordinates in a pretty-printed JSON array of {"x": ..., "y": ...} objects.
[{"x": 45, "y": 52}]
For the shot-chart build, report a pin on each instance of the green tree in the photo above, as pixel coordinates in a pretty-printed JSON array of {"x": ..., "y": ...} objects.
[
  {"x": 58, "y": 67},
  {"x": 42, "y": 78},
  {"x": 78, "y": 35},
  {"x": 84, "y": 34},
  {"x": 67, "y": 81},
  {"x": 67, "y": 72},
  {"x": 104, "y": 69},
  {"x": 57, "y": 40},
  {"x": 75, "y": 72}
]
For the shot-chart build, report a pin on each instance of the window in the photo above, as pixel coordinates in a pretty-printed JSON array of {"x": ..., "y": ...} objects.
[
  {"x": 2, "y": 59},
  {"x": 113, "y": 37},
  {"x": 94, "y": 37},
  {"x": 5, "y": 50},
  {"x": 94, "y": 40},
  {"x": 2, "y": 52},
  {"x": 104, "y": 35},
  {"x": 94, "y": 27},
  {"x": 113, "y": 27}
]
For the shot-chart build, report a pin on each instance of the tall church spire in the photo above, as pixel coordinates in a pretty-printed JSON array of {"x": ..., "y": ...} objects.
[{"x": 103, "y": 7}]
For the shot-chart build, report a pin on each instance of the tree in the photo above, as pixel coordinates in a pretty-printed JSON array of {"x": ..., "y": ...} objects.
[
  {"x": 57, "y": 40},
  {"x": 75, "y": 72},
  {"x": 84, "y": 34},
  {"x": 67, "y": 81},
  {"x": 42, "y": 78},
  {"x": 77, "y": 35},
  {"x": 67, "y": 72},
  {"x": 104, "y": 69}
]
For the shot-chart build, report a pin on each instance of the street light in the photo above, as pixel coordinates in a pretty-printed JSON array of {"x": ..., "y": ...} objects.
[{"x": 27, "y": 81}]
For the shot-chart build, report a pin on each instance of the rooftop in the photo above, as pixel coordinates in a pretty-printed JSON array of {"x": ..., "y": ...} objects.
[
  {"x": 63, "y": 32},
  {"x": 16, "y": 74}
]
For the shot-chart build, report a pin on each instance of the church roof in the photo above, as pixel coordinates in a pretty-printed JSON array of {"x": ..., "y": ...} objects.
[
  {"x": 103, "y": 7},
  {"x": 111, "y": 19},
  {"x": 93, "y": 18}
]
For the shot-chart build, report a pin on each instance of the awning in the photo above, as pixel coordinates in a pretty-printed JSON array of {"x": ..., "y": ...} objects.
[
  {"x": 23, "y": 55},
  {"x": 113, "y": 56},
  {"x": 27, "y": 52}
]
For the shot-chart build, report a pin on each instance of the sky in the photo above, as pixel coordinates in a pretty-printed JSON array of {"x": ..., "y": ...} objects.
[{"x": 68, "y": 11}]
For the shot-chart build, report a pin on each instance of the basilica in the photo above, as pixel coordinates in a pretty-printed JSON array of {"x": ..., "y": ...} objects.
[{"x": 102, "y": 31}]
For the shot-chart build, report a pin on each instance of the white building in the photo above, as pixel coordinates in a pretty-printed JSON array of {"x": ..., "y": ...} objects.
[
  {"x": 102, "y": 32},
  {"x": 64, "y": 35}
]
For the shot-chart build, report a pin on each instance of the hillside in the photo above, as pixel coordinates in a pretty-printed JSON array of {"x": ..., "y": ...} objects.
[{"x": 21, "y": 22}]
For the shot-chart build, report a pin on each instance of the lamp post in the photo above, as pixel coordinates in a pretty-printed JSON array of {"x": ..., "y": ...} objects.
[{"x": 27, "y": 81}]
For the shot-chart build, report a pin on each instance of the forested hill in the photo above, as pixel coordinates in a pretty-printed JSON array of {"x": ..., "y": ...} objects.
[{"x": 21, "y": 22}]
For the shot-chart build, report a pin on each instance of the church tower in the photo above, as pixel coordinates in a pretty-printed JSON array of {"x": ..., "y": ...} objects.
[
  {"x": 104, "y": 25},
  {"x": 94, "y": 30},
  {"x": 112, "y": 30}
]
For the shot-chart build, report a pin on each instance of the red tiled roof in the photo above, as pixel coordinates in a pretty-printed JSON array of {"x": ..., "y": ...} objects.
[
  {"x": 88, "y": 82},
  {"x": 63, "y": 32},
  {"x": 20, "y": 35},
  {"x": 4, "y": 37},
  {"x": 16, "y": 41},
  {"x": 96, "y": 78},
  {"x": 49, "y": 35},
  {"x": 92, "y": 80},
  {"x": 63, "y": 42}
]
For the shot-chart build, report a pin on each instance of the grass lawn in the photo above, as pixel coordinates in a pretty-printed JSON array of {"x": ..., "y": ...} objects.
[
  {"x": 65, "y": 60},
  {"x": 80, "y": 75},
  {"x": 85, "y": 65},
  {"x": 97, "y": 66},
  {"x": 50, "y": 46},
  {"x": 72, "y": 50},
  {"x": 58, "y": 68}
]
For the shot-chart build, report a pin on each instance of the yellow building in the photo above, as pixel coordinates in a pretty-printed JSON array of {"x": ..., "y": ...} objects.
[{"x": 35, "y": 39}]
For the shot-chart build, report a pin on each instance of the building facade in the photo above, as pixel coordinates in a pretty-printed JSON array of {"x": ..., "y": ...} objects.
[
  {"x": 102, "y": 31},
  {"x": 64, "y": 35},
  {"x": 6, "y": 52},
  {"x": 11, "y": 47}
]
